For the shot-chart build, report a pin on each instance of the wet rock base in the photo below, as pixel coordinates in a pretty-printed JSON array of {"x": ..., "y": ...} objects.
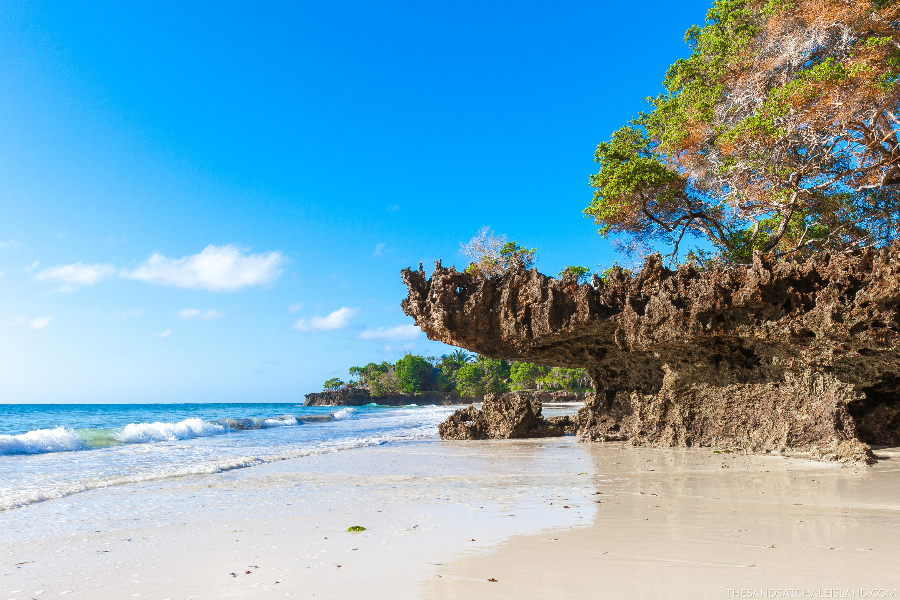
[{"x": 504, "y": 416}]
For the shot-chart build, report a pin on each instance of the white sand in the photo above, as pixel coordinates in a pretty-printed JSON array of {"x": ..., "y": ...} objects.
[{"x": 424, "y": 503}]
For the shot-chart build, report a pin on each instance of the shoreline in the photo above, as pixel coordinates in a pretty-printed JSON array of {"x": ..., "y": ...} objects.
[{"x": 423, "y": 502}]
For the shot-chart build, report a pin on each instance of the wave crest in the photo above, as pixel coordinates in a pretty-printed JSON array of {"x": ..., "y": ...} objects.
[
  {"x": 41, "y": 441},
  {"x": 139, "y": 433},
  {"x": 343, "y": 413}
]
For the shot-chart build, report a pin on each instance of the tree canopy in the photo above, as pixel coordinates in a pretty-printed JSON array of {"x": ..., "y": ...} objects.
[
  {"x": 780, "y": 132},
  {"x": 466, "y": 374}
]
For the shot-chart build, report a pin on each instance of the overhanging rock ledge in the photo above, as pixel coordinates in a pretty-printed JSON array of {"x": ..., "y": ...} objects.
[{"x": 795, "y": 356}]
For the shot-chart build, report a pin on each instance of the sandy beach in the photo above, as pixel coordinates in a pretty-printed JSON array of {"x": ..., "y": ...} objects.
[{"x": 544, "y": 518}]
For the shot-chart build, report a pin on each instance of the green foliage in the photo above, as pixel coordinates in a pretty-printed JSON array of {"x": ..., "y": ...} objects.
[
  {"x": 528, "y": 376},
  {"x": 454, "y": 360},
  {"x": 370, "y": 374},
  {"x": 442, "y": 383},
  {"x": 467, "y": 374},
  {"x": 333, "y": 384},
  {"x": 616, "y": 268},
  {"x": 493, "y": 255},
  {"x": 773, "y": 135},
  {"x": 576, "y": 272},
  {"x": 413, "y": 374},
  {"x": 629, "y": 167},
  {"x": 524, "y": 376},
  {"x": 356, "y": 528},
  {"x": 484, "y": 376},
  {"x": 512, "y": 254},
  {"x": 566, "y": 379}
]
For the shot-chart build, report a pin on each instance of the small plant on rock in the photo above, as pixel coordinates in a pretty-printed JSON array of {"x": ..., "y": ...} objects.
[{"x": 493, "y": 255}]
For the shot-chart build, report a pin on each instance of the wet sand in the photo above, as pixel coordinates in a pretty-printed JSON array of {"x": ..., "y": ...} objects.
[{"x": 443, "y": 518}]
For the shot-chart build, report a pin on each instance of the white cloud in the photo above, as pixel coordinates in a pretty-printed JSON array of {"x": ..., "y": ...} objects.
[
  {"x": 295, "y": 307},
  {"x": 391, "y": 334},
  {"x": 71, "y": 276},
  {"x": 210, "y": 314},
  {"x": 10, "y": 243},
  {"x": 164, "y": 334},
  {"x": 339, "y": 319},
  {"x": 40, "y": 322},
  {"x": 378, "y": 248},
  {"x": 215, "y": 269}
]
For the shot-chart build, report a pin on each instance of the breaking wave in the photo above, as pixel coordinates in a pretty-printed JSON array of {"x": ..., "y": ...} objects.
[
  {"x": 65, "y": 439},
  {"x": 42, "y": 440},
  {"x": 142, "y": 433}
]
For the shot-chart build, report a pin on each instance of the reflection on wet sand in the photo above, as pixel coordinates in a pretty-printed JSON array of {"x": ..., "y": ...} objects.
[{"x": 690, "y": 523}]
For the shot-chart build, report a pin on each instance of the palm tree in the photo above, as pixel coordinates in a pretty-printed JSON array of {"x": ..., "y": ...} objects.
[{"x": 459, "y": 357}]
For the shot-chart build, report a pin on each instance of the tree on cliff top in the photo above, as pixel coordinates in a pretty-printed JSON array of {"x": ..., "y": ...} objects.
[{"x": 780, "y": 132}]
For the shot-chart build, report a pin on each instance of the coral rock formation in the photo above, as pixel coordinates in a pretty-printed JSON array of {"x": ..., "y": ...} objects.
[
  {"x": 780, "y": 355},
  {"x": 502, "y": 416}
]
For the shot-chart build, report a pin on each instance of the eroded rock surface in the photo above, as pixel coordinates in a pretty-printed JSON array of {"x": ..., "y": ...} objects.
[
  {"x": 794, "y": 355},
  {"x": 502, "y": 416}
]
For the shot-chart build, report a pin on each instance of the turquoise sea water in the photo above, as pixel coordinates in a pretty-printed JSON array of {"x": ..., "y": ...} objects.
[{"x": 53, "y": 450}]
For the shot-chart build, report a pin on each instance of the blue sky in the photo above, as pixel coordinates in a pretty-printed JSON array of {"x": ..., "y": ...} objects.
[{"x": 212, "y": 201}]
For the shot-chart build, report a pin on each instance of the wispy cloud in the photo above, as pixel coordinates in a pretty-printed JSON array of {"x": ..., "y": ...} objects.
[
  {"x": 338, "y": 319},
  {"x": 295, "y": 307},
  {"x": 394, "y": 349},
  {"x": 216, "y": 268},
  {"x": 209, "y": 314},
  {"x": 391, "y": 334},
  {"x": 10, "y": 243},
  {"x": 74, "y": 275},
  {"x": 164, "y": 334},
  {"x": 378, "y": 248},
  {"x": 40, "y": 322}
]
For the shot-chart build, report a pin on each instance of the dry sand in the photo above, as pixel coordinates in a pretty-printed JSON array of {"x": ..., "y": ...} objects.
[{"x": 443, "y": 518}]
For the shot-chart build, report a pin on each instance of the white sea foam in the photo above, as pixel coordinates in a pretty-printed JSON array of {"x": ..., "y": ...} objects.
[
  {"x": 128, "y": 463},
  {"x": 14, "y": 498},
  {"x": 280, "y": 421},
  {"x": 344, "y": 413},
  {"x": 139, "y": 433},
  {"x": 40, "y": 441}
]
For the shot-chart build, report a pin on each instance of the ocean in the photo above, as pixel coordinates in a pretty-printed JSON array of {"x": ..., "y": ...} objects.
[{"x": 53, "y": 450}]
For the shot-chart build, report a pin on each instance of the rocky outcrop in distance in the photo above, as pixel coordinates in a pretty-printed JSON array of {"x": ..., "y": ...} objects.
[
  {"x": 503, "y": 416},
  {"x": 362, "y": 397},
  {"x": 789, "y": 355}
]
